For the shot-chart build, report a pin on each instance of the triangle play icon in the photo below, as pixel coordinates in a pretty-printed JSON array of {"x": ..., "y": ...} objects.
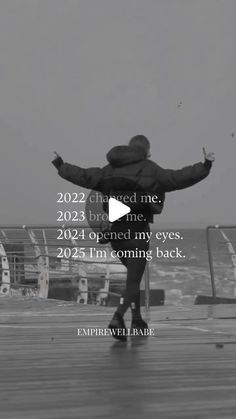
[{"x": 116, "y": 209}]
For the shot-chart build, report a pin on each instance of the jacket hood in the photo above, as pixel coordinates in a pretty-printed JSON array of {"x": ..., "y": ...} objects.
[{"x": 122, "y": 155}]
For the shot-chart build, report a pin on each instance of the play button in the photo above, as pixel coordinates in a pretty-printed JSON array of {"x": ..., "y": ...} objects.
[
  {"x": 116, "y": 209},
  {"x": 102, "y": 209}
]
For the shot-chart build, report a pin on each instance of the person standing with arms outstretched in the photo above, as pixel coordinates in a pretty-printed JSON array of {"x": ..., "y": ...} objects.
[{"x": 126, "y": 164}]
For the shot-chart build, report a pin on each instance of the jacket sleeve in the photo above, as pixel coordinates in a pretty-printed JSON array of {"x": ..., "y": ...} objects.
[
  {"x": 171, "y": 180},
  {"x": 86, "y": 178}
]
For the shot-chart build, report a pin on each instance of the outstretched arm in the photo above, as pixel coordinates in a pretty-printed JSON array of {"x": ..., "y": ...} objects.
[
  {"x": 86, "y": 178},
  {"x": 171, "y": 180}
]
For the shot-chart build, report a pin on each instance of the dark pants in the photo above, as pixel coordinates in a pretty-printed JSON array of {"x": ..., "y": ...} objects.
[{"x": 135, "y": 265}]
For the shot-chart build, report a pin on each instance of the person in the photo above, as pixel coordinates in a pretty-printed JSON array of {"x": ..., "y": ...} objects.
[{"x": 126, "y": 164}]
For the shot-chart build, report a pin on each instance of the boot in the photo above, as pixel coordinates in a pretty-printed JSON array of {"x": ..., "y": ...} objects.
[
  {"x": 140, "y": 325},
  {"x": 117, "y": 325}
]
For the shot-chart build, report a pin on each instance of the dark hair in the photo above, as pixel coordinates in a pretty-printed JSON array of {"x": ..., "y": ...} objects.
[{"x": 140, "y": 141}]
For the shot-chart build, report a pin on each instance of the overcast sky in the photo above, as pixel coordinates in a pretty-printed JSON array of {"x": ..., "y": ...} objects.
[{"x": 81, "y": 76}]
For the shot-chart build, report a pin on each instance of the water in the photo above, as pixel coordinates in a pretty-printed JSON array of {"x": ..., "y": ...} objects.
[{"x": 184, "y": 279}]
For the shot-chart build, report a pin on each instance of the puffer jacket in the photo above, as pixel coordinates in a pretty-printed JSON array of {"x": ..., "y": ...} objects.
[{"x": 129, "y": 166}]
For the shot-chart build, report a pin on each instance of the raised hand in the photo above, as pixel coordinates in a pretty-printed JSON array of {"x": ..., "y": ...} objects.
[
  {"x": 57, "y": 162},
  {"x": 56, "y": 154},
  {"x": 208, "y": 156}
]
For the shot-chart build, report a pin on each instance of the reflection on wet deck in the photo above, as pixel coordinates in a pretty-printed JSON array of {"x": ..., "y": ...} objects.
[{"x": 188, "y": 370}]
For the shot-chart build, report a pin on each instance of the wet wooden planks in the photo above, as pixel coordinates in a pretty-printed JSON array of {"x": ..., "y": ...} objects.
[{"x": 188, "y": 370}]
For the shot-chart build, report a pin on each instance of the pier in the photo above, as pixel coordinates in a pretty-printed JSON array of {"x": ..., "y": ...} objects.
[{"x": 47, "y": 371}]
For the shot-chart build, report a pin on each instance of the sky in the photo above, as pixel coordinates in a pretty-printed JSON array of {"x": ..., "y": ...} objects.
[{"x": 81, "y": 76}]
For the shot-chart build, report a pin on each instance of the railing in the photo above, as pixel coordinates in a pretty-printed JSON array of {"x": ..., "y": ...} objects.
[
  {"x": 229, "y": 243},
  {"x": 29, "y": 261}
]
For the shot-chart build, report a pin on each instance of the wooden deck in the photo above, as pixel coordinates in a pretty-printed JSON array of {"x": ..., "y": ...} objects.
[{"x": 187, "y": 370}]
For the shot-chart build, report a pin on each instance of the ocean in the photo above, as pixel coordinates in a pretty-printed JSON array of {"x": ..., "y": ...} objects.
[{"x": 184, "y": 279}]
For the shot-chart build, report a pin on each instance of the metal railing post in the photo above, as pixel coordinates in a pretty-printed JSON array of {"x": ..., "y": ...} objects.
[
  {"x": 5, "y": 287},
  {"x": 210, "y": 261},
  {"x": 147, "y": 288}
]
